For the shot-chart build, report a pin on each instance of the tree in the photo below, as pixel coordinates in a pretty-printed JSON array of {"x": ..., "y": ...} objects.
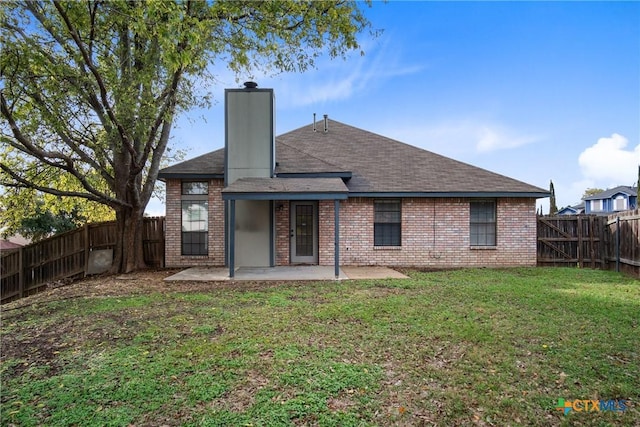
[
  {"x": 44, "y": 223},
  {"x": 90, "y": 89},
  {"x": 591, "y": 191},
  {"x": 37, "y": 215},
  {"x": 553, "y": 207}
]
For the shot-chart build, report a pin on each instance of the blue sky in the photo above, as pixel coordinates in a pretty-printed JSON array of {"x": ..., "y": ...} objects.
[{"x": 532, "y": 90}]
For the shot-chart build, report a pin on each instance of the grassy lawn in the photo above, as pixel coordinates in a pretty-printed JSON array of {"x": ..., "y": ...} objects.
[{"x": 464, "y": 347}]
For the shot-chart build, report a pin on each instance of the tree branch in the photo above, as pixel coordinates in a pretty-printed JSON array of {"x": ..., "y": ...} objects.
[
  {"x": 21, "y": 182},
  {"x": 88, "y": 61}
]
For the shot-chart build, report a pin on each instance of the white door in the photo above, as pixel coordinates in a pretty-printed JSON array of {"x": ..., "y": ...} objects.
[{"x": 304, "y": 233}]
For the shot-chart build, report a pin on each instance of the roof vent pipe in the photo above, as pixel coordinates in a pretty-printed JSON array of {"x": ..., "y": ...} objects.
[
  {"x": 326, "y": 123},
  {"x": 314, "y": 122},
  {"x": 250, "y": 85}
]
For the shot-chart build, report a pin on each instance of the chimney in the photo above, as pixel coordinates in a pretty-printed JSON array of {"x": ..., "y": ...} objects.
[
  {"x": 314, "y": 122},
  {"x": 249, "y": 132},
  {"x": 326, "y": 123}
]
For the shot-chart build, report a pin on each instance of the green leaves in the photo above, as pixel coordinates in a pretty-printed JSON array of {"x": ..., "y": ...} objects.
[
  {"x": 91, "y": 85},
  {"x": 90, "y": 89}
]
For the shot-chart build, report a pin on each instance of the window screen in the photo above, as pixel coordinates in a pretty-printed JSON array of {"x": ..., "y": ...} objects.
[
  {"x": 483, "y": 223},
  {"x": 387, "y": 223}
]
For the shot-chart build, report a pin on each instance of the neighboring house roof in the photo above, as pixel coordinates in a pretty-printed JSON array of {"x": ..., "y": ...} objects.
[
  {"x": 371, "y": 163},
  {"x": 575, "y": 209},
  {"x": 6, "y": 245},
  {"x": 607, "y": 194}
]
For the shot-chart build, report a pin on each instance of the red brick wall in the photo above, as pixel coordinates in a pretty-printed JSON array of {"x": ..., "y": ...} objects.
[
  {"x": 282, "y": 232},
  {"x": 435, "y": 233},
  {"x": 173, "y": 257}
]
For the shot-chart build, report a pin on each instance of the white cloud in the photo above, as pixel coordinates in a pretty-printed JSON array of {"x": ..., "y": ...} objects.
[
  {"x": 492, "y": 138},
  {"x": 608, "y": 163},
  {"x": 337, "y": 79},
  {"x": 460, "y": 138}
]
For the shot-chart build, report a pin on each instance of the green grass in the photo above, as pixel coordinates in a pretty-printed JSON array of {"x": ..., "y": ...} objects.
[{"x": 463, "y": 347}]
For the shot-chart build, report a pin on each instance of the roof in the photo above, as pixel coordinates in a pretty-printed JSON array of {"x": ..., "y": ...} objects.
[
  {"x": 579, "y": 208},
  {"x": 6, "y": 245},
  {"x": 209, "y": 165},
  {"x": 286, "y": 189},
  {"x": 371, "y": 164},
  {"x": 607, "y": 194}
]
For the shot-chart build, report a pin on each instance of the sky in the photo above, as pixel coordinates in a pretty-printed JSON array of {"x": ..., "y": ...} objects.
[{"x": 536, "y": 91}]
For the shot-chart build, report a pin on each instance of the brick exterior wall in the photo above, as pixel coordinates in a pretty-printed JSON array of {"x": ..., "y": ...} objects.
[
  {"x": 173, "y": 230},
  {"x": 435, "y": 233},
  {"x": 282, "y": 233}
]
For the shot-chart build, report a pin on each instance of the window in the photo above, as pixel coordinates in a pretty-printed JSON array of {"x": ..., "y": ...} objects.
[
  {"x": 596, "y": 205},
  {"x": 387, "y": 223},
  {"x": 196, "y": 187},
  {"x": 482, "y": 224},
  {"x": 619, "y": 203},
  {"x": 195, "y": 215}
]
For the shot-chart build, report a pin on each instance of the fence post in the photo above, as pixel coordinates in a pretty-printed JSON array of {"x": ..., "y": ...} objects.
[
  {"x": 86, "y": 238},
  {"x": 618, "y": 244},
  {"x": 603, "y": 226},
  {"x": 21, "y": 272},
  {"x": 163, "y": 231},
  {"x": 580, "y": 245}
]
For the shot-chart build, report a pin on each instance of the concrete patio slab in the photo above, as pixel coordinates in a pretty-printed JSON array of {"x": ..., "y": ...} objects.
[{"x": 284, "y": 273}]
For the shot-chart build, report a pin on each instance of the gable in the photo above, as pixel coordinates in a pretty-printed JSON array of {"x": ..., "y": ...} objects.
[{"x": 613, "y": 192}]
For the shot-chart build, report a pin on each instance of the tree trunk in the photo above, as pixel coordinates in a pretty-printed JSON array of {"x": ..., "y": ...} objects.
[{"x": 128, "y": 253}]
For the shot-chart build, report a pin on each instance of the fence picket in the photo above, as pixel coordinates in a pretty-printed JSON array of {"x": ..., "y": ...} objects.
[
  {"x": 590, "y": 241},
  {"x": 65, "y": 256},
  {"x": 564, "y": 240}
]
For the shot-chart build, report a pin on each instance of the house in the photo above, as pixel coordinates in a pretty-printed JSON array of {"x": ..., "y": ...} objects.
[
  {"x": 572, "y": 210},
  {"x": 332, "y": 194},
  {"x": 616, "y": 199}
]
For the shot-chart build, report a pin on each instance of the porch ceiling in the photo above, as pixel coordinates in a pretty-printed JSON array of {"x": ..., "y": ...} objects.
[{"x": 286, "y": 189}]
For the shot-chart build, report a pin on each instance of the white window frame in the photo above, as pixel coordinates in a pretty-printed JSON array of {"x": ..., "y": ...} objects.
[
  {"x": 617, "y": 199},
  {"x": 194, "y": 218},
  {"x": 597, "y": 205}
]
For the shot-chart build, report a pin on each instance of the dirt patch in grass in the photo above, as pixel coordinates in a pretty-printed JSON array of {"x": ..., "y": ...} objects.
[
  {"x": 138, "y": 283},
  {"x": 241, "y": 397}
]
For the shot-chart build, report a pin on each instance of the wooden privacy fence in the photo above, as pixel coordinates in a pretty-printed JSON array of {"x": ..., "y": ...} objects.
[
  {"x": 66, "y": 256},
  {"x": 571, "y": 240},
  {"x": 611, "y": 242},
  {"x": 623, "y": 252}
]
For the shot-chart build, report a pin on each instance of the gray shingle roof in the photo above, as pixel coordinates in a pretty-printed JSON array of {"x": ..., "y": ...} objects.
[
  {"x": 209, "y": 165},
  {"x": 607, "y": 194},
  {"x": 288, "y": 186},
  {"x": 378, "y": 164}
]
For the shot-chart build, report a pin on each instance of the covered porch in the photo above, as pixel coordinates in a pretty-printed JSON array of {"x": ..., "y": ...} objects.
[{"x": 252, "y": 206}]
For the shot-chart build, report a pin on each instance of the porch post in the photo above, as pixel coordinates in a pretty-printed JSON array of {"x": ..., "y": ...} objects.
[
  {"x": 336, "y": 236},
  {"x": 232, "y": 237}
]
